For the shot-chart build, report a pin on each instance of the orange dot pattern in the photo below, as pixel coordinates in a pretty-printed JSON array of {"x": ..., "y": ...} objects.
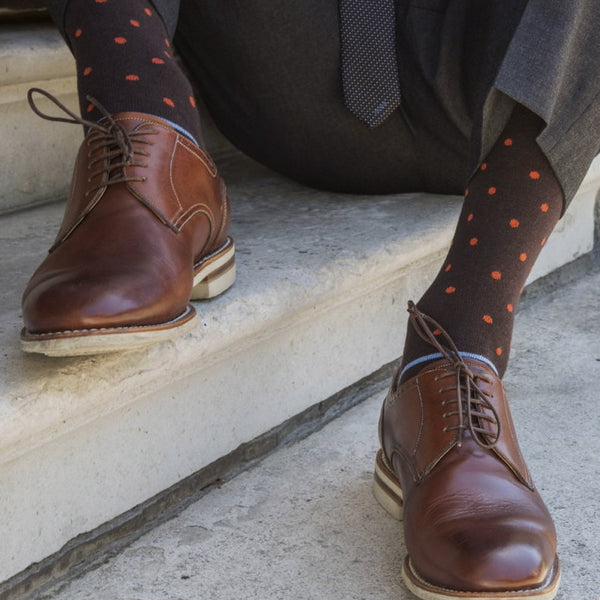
[
  {"x": 134, "y": 69},
  {"x": 511, "y": 204}
]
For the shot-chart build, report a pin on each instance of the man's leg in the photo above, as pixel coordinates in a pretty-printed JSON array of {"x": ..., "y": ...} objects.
[
  {"x": 511, "y": 206},
  {"x": 145, "y": 228},
  {"x": 125, "y": 60},
  {"x": 474, "y": 523}
]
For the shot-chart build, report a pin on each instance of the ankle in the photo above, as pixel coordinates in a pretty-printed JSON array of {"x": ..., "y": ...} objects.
[
  {"x": 125, "y": 61},
  {"x": 428, "y": 340}
]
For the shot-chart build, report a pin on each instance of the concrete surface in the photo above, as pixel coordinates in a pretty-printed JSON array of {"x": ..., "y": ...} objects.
[
  {"x": 320, "y": 276},
  {"x": 303, "y": 524},
  {"x": 35, "y": 156}
]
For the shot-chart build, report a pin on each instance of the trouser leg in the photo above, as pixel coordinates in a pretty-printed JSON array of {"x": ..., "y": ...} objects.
[{"x": 270, "y": 76}]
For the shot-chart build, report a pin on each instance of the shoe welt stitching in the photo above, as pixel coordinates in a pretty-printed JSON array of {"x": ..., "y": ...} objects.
[
  {"x": 515, "y": 593},
  {"x": 120, "y": 328}
]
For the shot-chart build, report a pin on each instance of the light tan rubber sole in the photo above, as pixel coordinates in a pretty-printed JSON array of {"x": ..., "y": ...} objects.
[
  {"x": 212, "y": 276},
  {"x": 388, "y": 492},
  {"x": 214, "y": 273}
]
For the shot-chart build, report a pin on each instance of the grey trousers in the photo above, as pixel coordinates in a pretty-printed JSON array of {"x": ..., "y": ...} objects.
[{"x": 270, "y": 76}]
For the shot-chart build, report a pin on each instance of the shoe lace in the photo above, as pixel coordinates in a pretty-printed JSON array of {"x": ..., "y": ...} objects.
[
  {"x": 111, "y": 147},
  {"x": 473, "y": 406}
]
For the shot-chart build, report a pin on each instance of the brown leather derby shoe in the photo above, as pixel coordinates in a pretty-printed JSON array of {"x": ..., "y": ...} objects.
[
  {"x": 144, "y": 231},
  {"x": 450, "y": 466}
]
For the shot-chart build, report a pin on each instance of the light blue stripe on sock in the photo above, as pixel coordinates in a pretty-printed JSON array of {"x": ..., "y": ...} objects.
[
  {"x": 487, "y": 361},
  {"x": 418, "y": 361},
  {"x": 179, "y": 128},
  {"x": 437, "y": 355}
]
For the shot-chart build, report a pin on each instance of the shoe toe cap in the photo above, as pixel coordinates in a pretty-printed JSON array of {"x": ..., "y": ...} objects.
[
  {"x": 68, "y": 302},
  {"x": 502, "y": 554}
]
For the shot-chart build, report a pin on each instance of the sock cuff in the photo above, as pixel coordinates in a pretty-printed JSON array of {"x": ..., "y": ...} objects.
[
  {"x": 438, "y": 355},
  {"x": 179, "y": 128}
]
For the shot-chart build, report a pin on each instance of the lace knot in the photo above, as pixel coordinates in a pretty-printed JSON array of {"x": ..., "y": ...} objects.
[{"x": 113, "y": 144}]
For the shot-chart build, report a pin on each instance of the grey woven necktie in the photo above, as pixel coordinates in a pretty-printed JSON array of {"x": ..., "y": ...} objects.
[{"x": 369, "y": 65}]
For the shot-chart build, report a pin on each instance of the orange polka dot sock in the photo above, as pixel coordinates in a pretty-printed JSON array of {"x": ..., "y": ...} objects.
[
  {"x": 511, "y": 206},
  {"x": 125, "y": 61}
]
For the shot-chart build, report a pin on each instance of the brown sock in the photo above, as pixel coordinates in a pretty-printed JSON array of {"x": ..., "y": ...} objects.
[
  {"x": 511, "y": 206},
  {"x": 125, "y": 61}
]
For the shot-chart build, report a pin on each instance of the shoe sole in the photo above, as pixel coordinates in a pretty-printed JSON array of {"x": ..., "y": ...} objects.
[
  {"x": 388, "y": 492},
  {"x": 213, "y": 275}
]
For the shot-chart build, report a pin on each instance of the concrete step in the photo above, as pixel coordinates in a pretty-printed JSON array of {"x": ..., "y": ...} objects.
[
  {"x": 304, "y": 524},
  {"x": 318, "y": 305}
]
